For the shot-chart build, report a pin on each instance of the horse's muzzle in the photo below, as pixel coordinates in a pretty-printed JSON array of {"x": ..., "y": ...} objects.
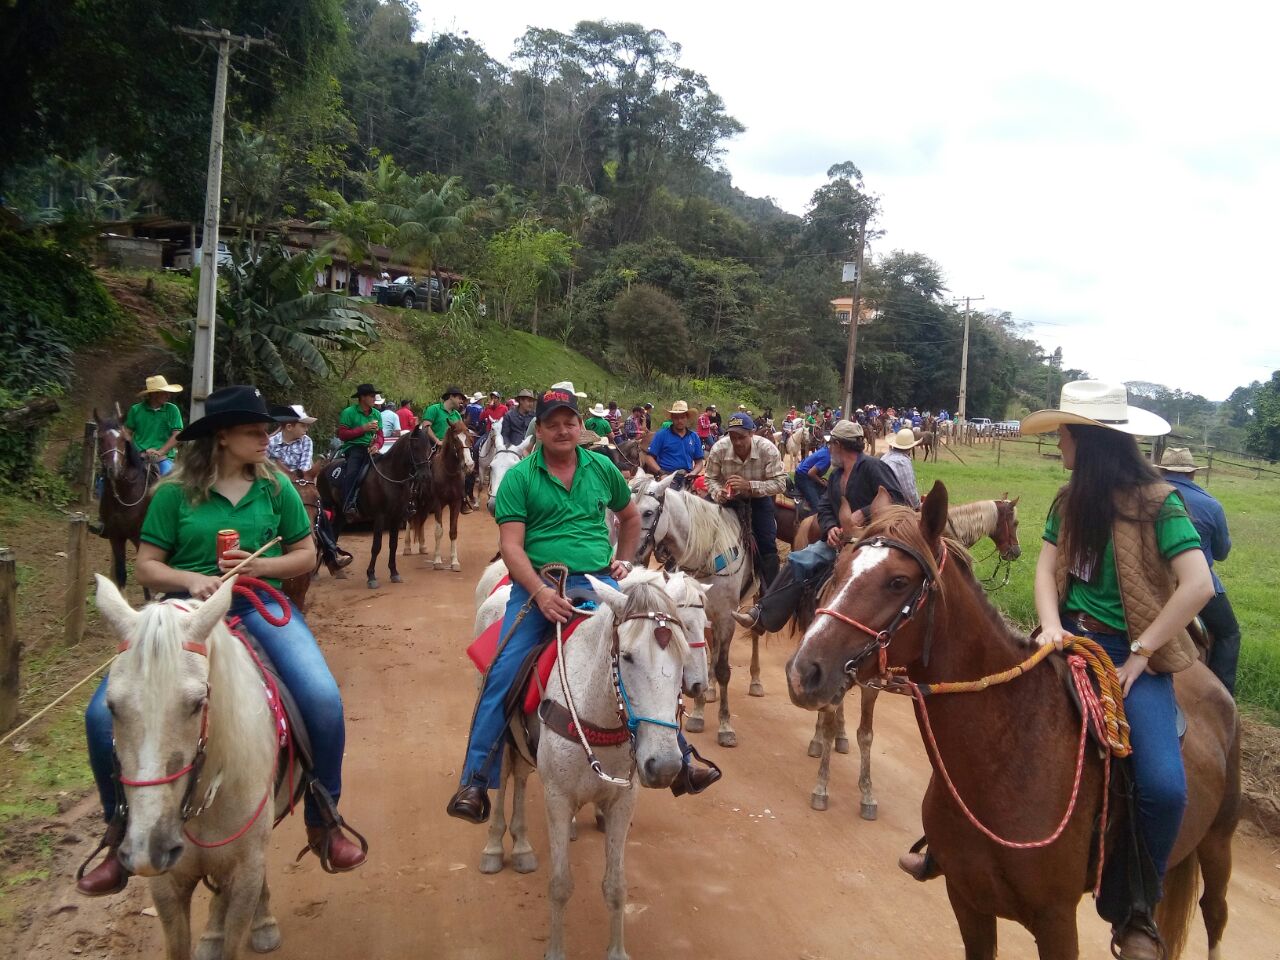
[{"x": 812, "y": 685}]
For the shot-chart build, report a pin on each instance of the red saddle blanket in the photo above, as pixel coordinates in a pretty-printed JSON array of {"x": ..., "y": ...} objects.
[{"x": 485, "y": 647}]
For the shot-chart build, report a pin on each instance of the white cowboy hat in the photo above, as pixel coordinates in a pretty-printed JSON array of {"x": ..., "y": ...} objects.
[
  {"x": 904, "y": 439},
  {"x": 477, "y": 396},
  {"x": 1097, "y": 403},
  {"x": 567, "y": 385},
  {"x": 678, "y": 407},
  {"x": 302, "y": 413},
  {"x": 598, "y": 410},
  {"x": 378, "y": 399},
  {"x": 159, "y": 384}
]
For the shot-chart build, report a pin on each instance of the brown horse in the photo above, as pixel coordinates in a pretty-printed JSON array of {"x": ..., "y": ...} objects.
[
  {"x": 448, "y": 470},
  {"x": 967, "y": 523},
  {"x": 391, "y": 492},
  {"x": 1009, "y": 752},
  {"x": 128, "y": 480},
  {"x": 295, "y": 588}
]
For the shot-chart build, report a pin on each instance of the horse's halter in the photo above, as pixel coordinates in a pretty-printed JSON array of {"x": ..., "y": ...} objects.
[
  {"x": 880, "y": 639},
  {"x": 193, "y": 769},
  {"x": 649, "y": 541},
  {"x": 111, "y": 459}
]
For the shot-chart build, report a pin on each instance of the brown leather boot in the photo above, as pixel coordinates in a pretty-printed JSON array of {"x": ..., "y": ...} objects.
[
  {"x": 694, "y": 779},
  {"x": 106, "y": 878},
  {"x": 1137, "y": 943},
  {"x": 919, "y": 866},
  {"x": 470, "y": 803},
  {"x": 332, "y": 845}
]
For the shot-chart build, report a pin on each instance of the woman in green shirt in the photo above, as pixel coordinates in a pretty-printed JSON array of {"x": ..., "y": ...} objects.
[
  {"x": 1096, "y": 435},
  {"x": 223, "y": 481}
]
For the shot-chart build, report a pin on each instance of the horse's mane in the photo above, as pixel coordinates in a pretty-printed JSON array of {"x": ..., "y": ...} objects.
[
  {"x": 241, "y": 743},
  {"x": 709, "y": 535},
  {"x": 970, "y": 522},
  {"x": 646, "y": 593}
]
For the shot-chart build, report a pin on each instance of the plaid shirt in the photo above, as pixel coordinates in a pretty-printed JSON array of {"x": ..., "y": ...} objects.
[
  {"x": 292, "y": 456},
  {"x": 763, "y": 468}
]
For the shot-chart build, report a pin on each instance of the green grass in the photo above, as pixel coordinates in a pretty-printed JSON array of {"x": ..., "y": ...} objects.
[{"x": 1249, "y": 574}]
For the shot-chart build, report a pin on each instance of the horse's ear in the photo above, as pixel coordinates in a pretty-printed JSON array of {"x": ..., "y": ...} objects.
[
  {"x": 1006, "y": 495},
  {"x": 210, "y": 612},
  {"x": 881, "y": 502},
  {"x": 1014, "y": 501},
  {"x": 665, "y": 482},
  {"x": 115, "y": 608},
  {"x": 613, "y": 598},
  {"x": 933, "y": 515}
]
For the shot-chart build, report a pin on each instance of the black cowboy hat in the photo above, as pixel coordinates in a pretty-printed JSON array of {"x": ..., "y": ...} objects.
[
  {"x": 453, "y": 390},
  {"x": 364, "y": 390},
  {"x": 283, "y": 414},
  {"x": 229, "y": 407}
]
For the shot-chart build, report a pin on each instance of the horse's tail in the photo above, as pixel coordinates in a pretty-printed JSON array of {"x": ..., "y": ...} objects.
[{"x": 1178, "y": 906}]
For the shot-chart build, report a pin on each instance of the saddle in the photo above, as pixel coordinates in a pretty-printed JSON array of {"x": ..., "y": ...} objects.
[
  {"x": 531, "y": 679},
  {"x": 337, "y": 468}
]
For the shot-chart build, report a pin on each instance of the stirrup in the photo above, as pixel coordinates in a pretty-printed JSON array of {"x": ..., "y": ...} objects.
[
  {"x": 332, "y": 818},
  {"x": 112, "y": 837}
]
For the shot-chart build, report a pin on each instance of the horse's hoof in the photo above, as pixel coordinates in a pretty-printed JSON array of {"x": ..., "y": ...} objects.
[
  {"x": 815, "y": 748},
  {"x": 439, "y": 564},
  {"x": 209, "y": 947},
  {"x": 491, "y": 863},
  {"x": 869, "y": 811},
  {"x": 456, "y": 567},
  {"x": 396, "y": 578},
  {"x": 266, "y": 938},
  {"x": 818, "y": 801},
  {"x": 727, "y": 738},
  {"x": 524, "y": 862},
  {"x": 842, "y": 744},
  {"x": 756, "y": 689},
  {"x": 711, "y": 695},
  {"x": 373, "y": 584},
  {"x": 695, "y": 724},
  {"x": 341, "y": 575}
]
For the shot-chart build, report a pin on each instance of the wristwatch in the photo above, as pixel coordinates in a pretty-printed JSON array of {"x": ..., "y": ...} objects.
[
  {"x": 628, "y": 564},
  {"x": 1139, "y": 649}
]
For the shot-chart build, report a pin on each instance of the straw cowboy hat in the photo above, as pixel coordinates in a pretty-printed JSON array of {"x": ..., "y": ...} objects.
[
  {"x": 678, "y": 407},
  {"x": 598, "y": 410},
  {"x": 1178, "y": 460},
  {"x": 904, "y": 439},
  {"x": 159, "y": 384},
  {"x": 1097, "y": 403}
]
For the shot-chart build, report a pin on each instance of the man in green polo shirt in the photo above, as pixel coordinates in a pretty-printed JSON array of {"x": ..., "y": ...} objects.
[
  {"x": 357, "y": 425},
  {"x": 438, "y": 417},
  {"x": 153, "y": 423}
]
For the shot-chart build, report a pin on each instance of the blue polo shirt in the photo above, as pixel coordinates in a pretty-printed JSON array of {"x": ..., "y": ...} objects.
[
  {"x": 820, "y": 458},
  {"x": 675, "y": 452},
  {"x": 1209, "y": 519}
]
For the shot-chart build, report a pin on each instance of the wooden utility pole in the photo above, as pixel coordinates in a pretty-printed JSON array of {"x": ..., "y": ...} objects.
[
  {"x": 206, "y": 298},
  {"x": 964, "y": 360},
  {"x": 855, "y": 301},
  {"x": 9, "y": 664}
]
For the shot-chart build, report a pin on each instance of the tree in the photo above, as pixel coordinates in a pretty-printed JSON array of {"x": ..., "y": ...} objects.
[
  {"x": 1263, "y": 437},
  {"x": 838, "y": 212},
  {"x": 271, "y": 323},
  {"x": 522, "y": 266},
  {"x": 650, "y": 330}
]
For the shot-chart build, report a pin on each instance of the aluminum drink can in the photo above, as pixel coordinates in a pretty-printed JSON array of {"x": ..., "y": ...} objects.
[{"x": 228, "y": 540}]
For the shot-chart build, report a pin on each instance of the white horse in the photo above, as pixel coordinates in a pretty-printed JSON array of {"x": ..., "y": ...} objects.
[
  {"x": 496, "y": 458},
  {"x": 629, "y": 638},
  {"x": 180, "y": 670},
  {"x": 795, "y": 448},
  {"x": 705, "y": 541}
]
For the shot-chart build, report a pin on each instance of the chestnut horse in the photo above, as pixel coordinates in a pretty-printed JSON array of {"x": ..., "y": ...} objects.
[
  {"x": 295, "y": 588},
  {"x": 1005, "y": 757},
  {"x": 449, "y": 466},
  {"x": 389, "y": 494},
  {"x": 128, "y": 480}
]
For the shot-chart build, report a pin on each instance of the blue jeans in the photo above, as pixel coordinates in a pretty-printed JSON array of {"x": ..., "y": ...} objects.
[
  {"x": 296, "y": 655},
  {"x": 164, "y": 466},
  {"x": 810, "y": 489},
  {"x": 483, "y": 764},
  {"x": 814, "y": 561},
  {"x": 1159, "y": 777}
]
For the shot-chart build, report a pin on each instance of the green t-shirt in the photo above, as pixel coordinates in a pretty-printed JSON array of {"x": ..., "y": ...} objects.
[
  {"x": 152, "y": 427},
  {"x": 189, "y": 533},
  {"x": 563, "y": 526},
  {"x": 1099, "y": 595},
  {"x": 600, "y": 425},
  {"x": 354, "y": 417},
  {"x": 440, "y": 418}
]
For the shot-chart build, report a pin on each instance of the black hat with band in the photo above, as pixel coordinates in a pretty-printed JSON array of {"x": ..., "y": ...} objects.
[
  {"x": 553, "y": 399},
  {"x": 365, "y": 390},
  {"x": 452, "y": 391},
  {"x": 229, "y": 407}
]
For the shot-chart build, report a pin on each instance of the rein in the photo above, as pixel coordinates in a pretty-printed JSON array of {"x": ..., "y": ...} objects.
[
  {"x": 246, "y": 587},
  {"x": 1105, "y": 708},
  {"x": 148, "y": 469}
]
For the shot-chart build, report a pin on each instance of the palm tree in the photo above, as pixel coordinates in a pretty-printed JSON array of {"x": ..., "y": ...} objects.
[
  {"x": 435, "y": 216},
  {"x": 577, "y": 207},
  {"x": 357, "y": 227}
]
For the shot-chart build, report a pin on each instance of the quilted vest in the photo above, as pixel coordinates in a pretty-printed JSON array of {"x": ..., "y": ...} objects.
[{"x": 1146, "y": 578}]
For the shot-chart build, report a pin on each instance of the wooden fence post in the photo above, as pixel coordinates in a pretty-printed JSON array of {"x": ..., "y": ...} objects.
[
  {"x": 9, "y": 664},
  {"x": 88, "y": 460},
  {"x": 77, "y": 577},
  {"x": 1209, "y": 469},
  {"x": 997, "y": 451}
]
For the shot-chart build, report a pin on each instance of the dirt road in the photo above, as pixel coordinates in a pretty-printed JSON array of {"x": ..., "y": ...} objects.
[{"x": 744, "y": 870}]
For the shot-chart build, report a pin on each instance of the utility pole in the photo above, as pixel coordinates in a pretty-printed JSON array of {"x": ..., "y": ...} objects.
[
  {"x": 207, "y": 297},
  {"x": 855, "y": 300},
  {"x": 964, "y": 359}
]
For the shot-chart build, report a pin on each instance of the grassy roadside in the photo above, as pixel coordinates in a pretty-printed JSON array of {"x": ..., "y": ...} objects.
[{"x": 1248, "y": 574}]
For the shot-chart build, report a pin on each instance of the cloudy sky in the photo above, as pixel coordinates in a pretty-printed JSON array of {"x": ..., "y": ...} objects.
[{"x": 1108, "y": 173}]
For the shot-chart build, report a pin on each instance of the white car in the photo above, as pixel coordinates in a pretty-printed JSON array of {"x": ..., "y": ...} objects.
[{"x": 183, "y": 260}]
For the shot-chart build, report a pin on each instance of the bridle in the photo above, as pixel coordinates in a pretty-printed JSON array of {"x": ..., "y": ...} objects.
[
  {"x": 1004, "y": 527},
  {"x": 414, "y": 463},
  {"x": 649, "y": 541},
  {"x": 115, "y": 453},
  {"x": 880, "y": 639}
]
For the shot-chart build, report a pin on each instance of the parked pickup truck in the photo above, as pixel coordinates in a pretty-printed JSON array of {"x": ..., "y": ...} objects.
[{"x": 410, "y": 292}]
